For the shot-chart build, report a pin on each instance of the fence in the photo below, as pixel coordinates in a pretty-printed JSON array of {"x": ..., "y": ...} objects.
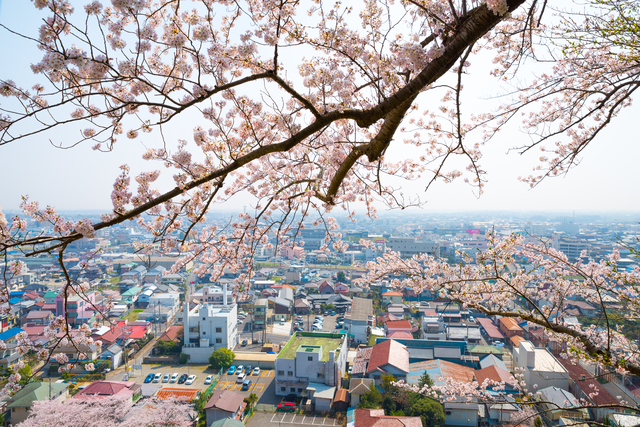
[{"x": 263, "y": 407}]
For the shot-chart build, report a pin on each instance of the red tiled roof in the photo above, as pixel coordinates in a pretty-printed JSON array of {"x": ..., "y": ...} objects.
[
  {"x": 137, "y": 332},
  {"x": 515, "y": 340},
  {"x": 377, "y": 418},
  {"x": 225, "y": 400},
  {"x": 106, "y": 388},
  {"x": 185, "y": 394},
  {"x": 172, "y": 334},
  {"x": 392, "y": 294},
  {"x": 401, "y": 335},
  {"x": 588, "y": 384},
  {"x": 494, "y": 373},
  {"x": 510, "y": 323},
  {"x": 389, "y": 352},
  {"x": 398, "y": 324},
  {"x": 491, "y": 329}
]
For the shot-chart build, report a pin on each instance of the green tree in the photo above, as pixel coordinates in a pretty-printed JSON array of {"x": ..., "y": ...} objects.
[
  {"x": 430, "y": 412},
  {"x": 221, "y": 358},
  {"x": 425, "y": 379},
  {"x": 387, "y": 385},
  {"x": 342, "y": 277},
  {"x": 372, "y": 399}
]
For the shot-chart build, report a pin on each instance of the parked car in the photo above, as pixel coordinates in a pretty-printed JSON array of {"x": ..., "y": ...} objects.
[
  {"x": 319, "y": 318},
  {"x": 287, "y": 407},
  {"x": 333, "y": 313},
  {"x": 247, "y": 370},
  {"x": 182, "y": 378},
  {"x": 298, "y": 329},
  {"x": 246, "y": 385},
  {"x": 299, "y": 318},
  {"x": 240, "y": 370},
  {"x": 316, "y": 328},
  {"x": 149, "y": 378},
  {"x": 157, "y": 378},
  {"x": 256, "y": 371},
  {"x": 244, "y": 343},
  {"x": 240, "y": 379},
  {"x": 166, "y": 378},
  {"x": 232, "y": 370},
  {"x": 190, "y": 380},
  {"x": 282, "y": 321},
  {"x": 208, "y": 379},
  {"x": 174, "y": 377}
]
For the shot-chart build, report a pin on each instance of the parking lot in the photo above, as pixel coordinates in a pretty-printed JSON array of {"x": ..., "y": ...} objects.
[
  {"x": 260, "y": 419},
  {"x": 258, "y": 382},
  {"x": 328, "y": 324}
]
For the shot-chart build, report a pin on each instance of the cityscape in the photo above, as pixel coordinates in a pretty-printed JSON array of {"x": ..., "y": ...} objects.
[{"x": 309, "y": 335}]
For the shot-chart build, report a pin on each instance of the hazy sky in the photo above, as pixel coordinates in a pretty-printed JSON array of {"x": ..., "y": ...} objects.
[{"x": 80, "y": 178}]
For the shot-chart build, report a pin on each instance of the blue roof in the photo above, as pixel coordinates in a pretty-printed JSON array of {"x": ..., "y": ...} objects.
[
  {"x": 16, "y": 293},
  {"x": 15, "y": 300},
  {"x": 8, "y": 334}
]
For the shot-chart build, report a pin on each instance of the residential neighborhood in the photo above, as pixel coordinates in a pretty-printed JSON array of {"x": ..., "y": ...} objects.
[{"x": 307, "y": 338}]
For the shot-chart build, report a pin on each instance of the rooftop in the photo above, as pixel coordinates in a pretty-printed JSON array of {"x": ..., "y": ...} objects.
[
  {"x": 327, "y": 341},
  {"x": 361, "y": 309}
]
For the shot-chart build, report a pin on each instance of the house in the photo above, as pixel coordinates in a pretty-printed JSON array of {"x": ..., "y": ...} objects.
[
  {"x": 377, "y": 418},
  {"x": 583, "y": 385},
  {"x": 393, "y": 326},
  {"x": 359, "y": 319},
  {"x": 183, "y": 394},
  {"x": 224, "y": 404},
  {"x": 10, "y": 355},
  {"x": 227, "y": 422},
  {"x": 509, "y": 327},
  {"x": 491, "y": 375},
  {"x": 77, "y": 309},
  {"x": 326, "y": 287},
  {"x": 556, "y": 402},
  {"x": 358, "y": 387},
  {"x": 310, "y": 357},
  {"x": 261, "y": 313},
  {"x": 39, "y": 317},
  {"x": 393, "y": 297},
  {"x": 321, "y": 396},
  {"x": 281, "y": 308},
  {"x": 173, "y": 334},
  {"x": 585, "y": 309},
  {"x": 460, "y": 412},
  {"x": 388, "y": 357},
  {"x": 439, "y": 370},
  {"x": 126, "y": 389},
  {"x": 20, "y": 403}
]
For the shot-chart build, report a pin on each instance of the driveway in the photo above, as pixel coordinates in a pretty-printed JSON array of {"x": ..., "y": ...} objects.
[{"x": 280, "y": 419}]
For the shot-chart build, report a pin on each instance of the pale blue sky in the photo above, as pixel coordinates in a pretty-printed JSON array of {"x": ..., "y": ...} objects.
[{"x": 80, "y": 178}]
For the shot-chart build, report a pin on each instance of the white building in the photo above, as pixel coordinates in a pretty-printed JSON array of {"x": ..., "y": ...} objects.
[
  {"x": 408, "y": 247},
  {"x": 358, "y": 320},
  {"x": 209, "y": 327},
  {"x": 212, "y": 295},
  {"x": 540, "y": 367},
  {"x": 310, "y": 357}
]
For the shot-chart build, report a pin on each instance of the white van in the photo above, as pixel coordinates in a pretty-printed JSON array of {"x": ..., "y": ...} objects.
[{"x": 241, "y": 378}]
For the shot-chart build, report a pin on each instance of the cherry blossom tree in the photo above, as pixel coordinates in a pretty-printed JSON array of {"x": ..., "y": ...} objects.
[
  {"x": 110, "y": 411},
  {"x": 298, "y": 105}
]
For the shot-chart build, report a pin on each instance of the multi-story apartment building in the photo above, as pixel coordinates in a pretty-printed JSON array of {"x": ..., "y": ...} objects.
[
  {"x": 78, "y": 310},
  {"x": 209, "y": 327},
  {"x": 310, "y": 357},
  {"x": 359, "y": 319}
]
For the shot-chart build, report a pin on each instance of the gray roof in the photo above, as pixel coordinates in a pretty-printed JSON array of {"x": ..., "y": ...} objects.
[
  {"x": 492, "y": 360},
  {"x": 361, "y": 309},
  {"x": 446, "y": 352},
  {"x": 420, "y": 353}
]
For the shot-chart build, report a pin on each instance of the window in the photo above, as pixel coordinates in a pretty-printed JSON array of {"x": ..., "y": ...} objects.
[
  {"x": 310, "y": 358},
  {"x": 283, "y": 389},
  {"x": 293, "y": 389},
  {"x": 280, "y": 372},
  {"x": 218, "y": 330},
  {"x": 218, "y": 340},
  {"x": 204, "y": 333},
  {"x": 300, "y": 390},
  {"x": 320, "y": 375},
  {"x": 204, "y": 318}
]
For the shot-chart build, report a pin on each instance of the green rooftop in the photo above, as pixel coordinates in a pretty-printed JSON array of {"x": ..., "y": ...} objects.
[
  {"x": 35, "y": 391},
  {"x": 131, "y": 292},
  {"x": 314, "y": 341}
]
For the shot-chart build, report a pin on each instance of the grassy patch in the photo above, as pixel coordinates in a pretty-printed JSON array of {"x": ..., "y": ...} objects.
[
  {"x": 133, "y": 315},
  {"x": 327, "y": 341},
  {"x": 114, "y": 279}
]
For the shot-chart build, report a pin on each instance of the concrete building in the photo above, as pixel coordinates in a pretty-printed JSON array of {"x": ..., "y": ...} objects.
[
  {"x": 208, "y": 328},
  {"x": 408, "y": 247},
  {"x": 540, "y": 367},
  {"x": 359, "y": 319},
  {"x": 310, "y": 357}
]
